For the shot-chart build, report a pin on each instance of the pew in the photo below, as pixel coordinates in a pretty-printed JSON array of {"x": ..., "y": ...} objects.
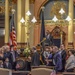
[
  {"x": 42, "y": 66},
  {"x": 68, "y": 73},
  {"x": 41, "y": 71},
  {"x": 20, "y": 72},
  {"x": 5, "y": 71}
]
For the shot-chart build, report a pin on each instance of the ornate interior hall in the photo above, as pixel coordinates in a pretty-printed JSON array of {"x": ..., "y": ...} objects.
[{"x": 30, "y": 31}]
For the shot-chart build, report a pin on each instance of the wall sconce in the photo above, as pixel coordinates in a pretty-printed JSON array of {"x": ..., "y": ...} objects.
[
  {"x": 28, "y": 14},
  {"x": 28, "y": 25}
]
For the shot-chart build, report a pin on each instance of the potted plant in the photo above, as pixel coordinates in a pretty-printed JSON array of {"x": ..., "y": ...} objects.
[{"x": 26, "y": 52}]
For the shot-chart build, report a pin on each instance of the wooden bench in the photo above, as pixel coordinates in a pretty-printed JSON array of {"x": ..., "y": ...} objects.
[
  {"x": 41, "y": 71},
  {"x": 68, "y": 73},
  {"x": 5, "y": 71},
  {"x": 42, "y": 66},
  {"x": 20, "y": 72}
]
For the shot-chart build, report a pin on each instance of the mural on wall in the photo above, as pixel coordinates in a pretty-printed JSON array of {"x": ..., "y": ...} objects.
[
  {"x": 56, "y": 8},
  {"x": 52, "y": 8}
]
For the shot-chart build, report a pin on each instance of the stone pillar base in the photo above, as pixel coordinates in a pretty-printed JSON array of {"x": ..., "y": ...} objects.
[{"x": 70, "y": 45}]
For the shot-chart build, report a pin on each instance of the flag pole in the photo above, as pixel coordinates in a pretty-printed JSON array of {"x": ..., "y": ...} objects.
[{"x": 42, "y": 33}]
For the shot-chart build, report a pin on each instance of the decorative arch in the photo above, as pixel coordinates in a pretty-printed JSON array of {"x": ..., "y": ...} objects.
[
  {"x": 56, "y": 33},
  {"x": 38, "y": 5}
]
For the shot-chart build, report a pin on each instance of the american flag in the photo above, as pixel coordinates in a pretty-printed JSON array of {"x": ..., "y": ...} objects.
[{"x": 12, "y": 34}]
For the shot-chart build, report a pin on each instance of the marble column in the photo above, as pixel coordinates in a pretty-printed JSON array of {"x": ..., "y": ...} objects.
[
  {"x": 23, "y": 25},
  {"x": 6, "y": 21},
  {"x": 26, "y": 20},
  {"x": 31, "y": 39},
  {"x": 70, "y": 26},
  {"x": 19, "y": 16}
]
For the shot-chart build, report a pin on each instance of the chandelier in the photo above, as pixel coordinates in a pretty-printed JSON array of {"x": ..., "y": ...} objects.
[{"x": 28, "y": 14}]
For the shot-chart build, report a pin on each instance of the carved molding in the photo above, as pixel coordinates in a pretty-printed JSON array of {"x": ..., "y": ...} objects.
[
  {"x": 2, "y": 9},
  {"x": 13, "y": 1},
  {"x": 51, "y": 28},
  {"x": 70, "y": 45},
  {"x": 32, "y": 1},
  {"x": 74, "y": 2}
]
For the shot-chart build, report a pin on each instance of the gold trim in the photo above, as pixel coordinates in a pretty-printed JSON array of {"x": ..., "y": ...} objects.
[
  {"x": 13, "y": 1},
  {"x": 2, "y": 9},
  {"x": 57, "y": 5},
  {"x": 32, "y": 1}
]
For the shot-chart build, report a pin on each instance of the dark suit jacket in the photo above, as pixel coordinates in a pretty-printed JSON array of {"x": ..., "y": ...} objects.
[
  {"x": 57, "y": 61},
  {"x": 8, "y": 67},
  {"x": 35, "y": 59},
  {"x": 9, "y": 56},
  {"x": 2, "y": 58},
  {"x": 49, "y": 41},
  {"x": 14, "y": 54},
  {"x": 63, "y": 54}
]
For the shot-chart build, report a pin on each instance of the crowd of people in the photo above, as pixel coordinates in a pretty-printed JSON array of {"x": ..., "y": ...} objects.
[
  {"x": 61, "y": 59},
  {"x": 8, "y": 57}
]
